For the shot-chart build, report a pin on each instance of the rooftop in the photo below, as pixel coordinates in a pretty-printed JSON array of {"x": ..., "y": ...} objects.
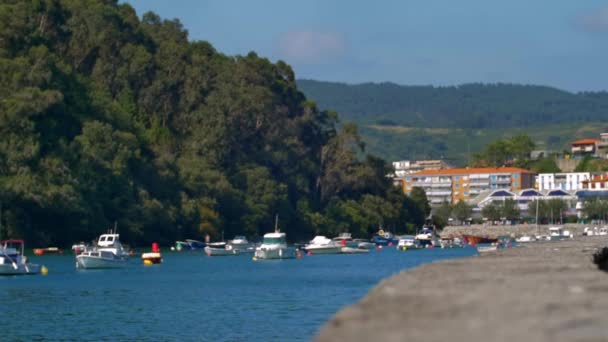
[{"x": 585, "y": 142}]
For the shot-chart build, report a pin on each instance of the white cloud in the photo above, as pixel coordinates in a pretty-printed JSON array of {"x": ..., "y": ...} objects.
[
  {"x": 596, "y": 21},
  {"x": 311, "y": 47}
]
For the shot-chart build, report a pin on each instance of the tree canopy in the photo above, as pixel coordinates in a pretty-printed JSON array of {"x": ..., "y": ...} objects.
[{"x": 105, "y": 117}]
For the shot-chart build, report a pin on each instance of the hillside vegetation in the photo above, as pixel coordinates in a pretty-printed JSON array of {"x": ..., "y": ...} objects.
[
  {"x": 106, "y": 117},
  {"x": 417, "y": 122}
]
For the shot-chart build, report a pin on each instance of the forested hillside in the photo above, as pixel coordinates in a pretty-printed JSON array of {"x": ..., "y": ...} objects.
[
  {"x": 419, "y": 122},
  {"x": 470, "y": 106},
  {"x": 107, "y": 117}
]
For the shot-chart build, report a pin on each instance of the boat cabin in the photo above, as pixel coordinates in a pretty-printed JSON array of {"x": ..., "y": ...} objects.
[
  {"x": 107, "y": 240},
  {"x": 555, "y": 231},
  {"x": 274, "y": 239}
]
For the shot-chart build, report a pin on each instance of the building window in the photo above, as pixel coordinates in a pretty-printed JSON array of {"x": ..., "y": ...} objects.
[
  {"x": 457, "y": 186},
  {"x": 466, "y": 193},
  {"x": 456, "y": 177},
  {"x": 515, "y": 184},
  {"x": 408, "y": 179},
  {"x": 493, "y": 177},
  {"x": 515, "y": 176}
]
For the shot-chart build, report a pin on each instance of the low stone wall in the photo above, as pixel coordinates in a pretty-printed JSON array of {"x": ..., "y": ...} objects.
[{"x": 510, "y": 230}]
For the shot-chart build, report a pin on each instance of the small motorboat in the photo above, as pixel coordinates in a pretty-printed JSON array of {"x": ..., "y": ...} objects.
[
  {"x": 408, "y": 243},
  {"x": 345, "y": 239},
  {"x": 485, "y": 249},
  {"x": 48, "y": 250},
  {"x": 241, "y": 245},
  {"x": 78, "y": 248},
  {"x": 353, "y": 250},
  {"x": 154, "y": 257},
  {"x": 13, "y": 261},
  {"x": 188, "y": 245},
  {"x": 558, "y": 233},
  {"x": 322, "y": 245},
  {"x": 383, "y": 238},
  {"x": 107, "y": 254},
  {"x": 526, "y": 238},
  {"x": 364, "y": 244},
  {"x": 227, "y": 250}
]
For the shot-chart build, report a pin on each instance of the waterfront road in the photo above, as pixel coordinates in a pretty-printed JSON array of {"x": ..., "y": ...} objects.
[{"x": 546, "y": 291}]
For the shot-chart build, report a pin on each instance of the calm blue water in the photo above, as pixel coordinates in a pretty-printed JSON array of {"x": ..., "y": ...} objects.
[{"x": 194, "y": 297}]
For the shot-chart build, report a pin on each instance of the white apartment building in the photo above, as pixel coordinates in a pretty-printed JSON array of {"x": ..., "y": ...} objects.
[{"x": 563, "y": 181}]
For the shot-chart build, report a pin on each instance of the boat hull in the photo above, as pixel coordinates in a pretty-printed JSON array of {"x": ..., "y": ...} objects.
[
  {"x": 353, "y": 250},
  {"x": 89, "y": 262},
  {"x": 20, "y": 269},
  {"x": 278, "y": 253},
  {"x": 324, "y": 250},
  {"x": 210, "y": 251}
]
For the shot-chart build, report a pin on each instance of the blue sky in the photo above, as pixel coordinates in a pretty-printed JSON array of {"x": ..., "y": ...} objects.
[{"x": 560, "y": 43}]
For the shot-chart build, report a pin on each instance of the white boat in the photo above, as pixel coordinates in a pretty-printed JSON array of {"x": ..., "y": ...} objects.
[
  {"x": 241, "y": 245},
  {"x": 427, "y": 237},
  {"x": 408, "y": 242},
  {"x": 364, "y": 244},
  {"x": 526, "y": 238},
  {"x": 13, "y": 261},
  {"x": 558, "y": 233},
  {"x": 274, "y": 246},
  {"x": 603, "y": 231},
  {"x": 227, "y": 250},
  {"x": 345, "y": 239},
  {"x": 485, "y": 249},
  {"x": 353, "y": 250},
  {"x": 107, "y": 254},
  {"x": 322, "y": 245}
]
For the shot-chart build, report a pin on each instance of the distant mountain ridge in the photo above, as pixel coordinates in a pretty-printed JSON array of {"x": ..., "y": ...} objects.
[
  {"x": 452, "y": 123},
  {"x": 466, "y": 106}
]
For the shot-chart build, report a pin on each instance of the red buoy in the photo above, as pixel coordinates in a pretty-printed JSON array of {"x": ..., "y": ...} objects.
[{"x": 155, "y": 248}]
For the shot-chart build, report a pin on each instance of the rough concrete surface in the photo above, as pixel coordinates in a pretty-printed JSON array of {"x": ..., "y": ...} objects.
[{"x": 544, "y": 291}]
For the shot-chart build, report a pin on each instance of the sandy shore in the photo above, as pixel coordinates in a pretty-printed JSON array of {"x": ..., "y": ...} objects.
[{"x": 549, "y": 291}]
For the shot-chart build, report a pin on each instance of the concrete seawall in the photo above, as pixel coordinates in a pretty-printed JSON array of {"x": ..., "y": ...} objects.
[
  {"x": 511, "y": 230},
  {"x": 546, "y": 291}
]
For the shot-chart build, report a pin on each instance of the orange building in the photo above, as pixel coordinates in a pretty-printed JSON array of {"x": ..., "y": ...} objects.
[
  {"x": 597, "y": 182},
  {"x": 453, "y": 185}
]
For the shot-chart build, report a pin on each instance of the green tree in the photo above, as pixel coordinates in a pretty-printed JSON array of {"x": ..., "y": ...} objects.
[
  {"x": 510, "y": 210},
  {"x": 418, "y": 196},
  {"x": 442, "y": 214},
  {"x": 492, "y": 212},
  {"x": 546, "y": 165},
  {"x": 462, "y": 211}
]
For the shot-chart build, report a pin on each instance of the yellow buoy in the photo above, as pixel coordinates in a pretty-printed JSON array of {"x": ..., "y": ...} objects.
[
  {"x": 147, "y": 262},
  {"x": 44, "y": 270},
  {"x": 254, "y": 259}
]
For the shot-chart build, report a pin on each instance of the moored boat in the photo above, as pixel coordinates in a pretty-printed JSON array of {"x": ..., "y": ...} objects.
[
  {"x": 322, "y": 245},
  {"x": 48, "y": 250},
  {"x": 485, "y": 249},
  {"x": 353, "y": 250},
  {"x": 408, "y": 242},
  {"x": 427, "y": 237},
  {"x": 13, "y": 261},
  {"x": 384, "y": 238},
  {"x": 107, "y": 254},
  {"x": 241, "y": 245},
  {"x": 364, "y": 244},
  {"x": 227, "y": 250},
  {"x": 345, "y": 239}
]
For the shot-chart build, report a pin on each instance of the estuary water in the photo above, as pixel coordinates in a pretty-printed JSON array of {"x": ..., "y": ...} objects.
[{"x": 192, "y": 297}]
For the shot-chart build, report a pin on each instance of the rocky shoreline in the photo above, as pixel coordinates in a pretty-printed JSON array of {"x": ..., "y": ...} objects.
[{"x": 544, "y": 291}]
